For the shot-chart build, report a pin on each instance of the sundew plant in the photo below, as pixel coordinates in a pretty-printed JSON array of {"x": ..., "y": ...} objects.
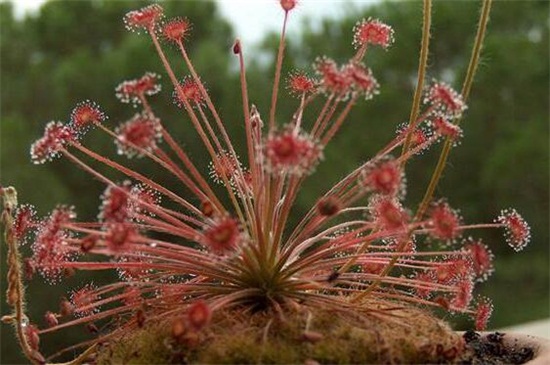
[{"x": 224, "y": 241}]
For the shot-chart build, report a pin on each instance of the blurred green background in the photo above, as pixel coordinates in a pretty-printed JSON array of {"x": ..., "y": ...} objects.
[{"x": 76, "y": 50}]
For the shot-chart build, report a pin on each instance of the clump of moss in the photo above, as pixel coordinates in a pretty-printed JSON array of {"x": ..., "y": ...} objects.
[{"x": 404, "y": 335}]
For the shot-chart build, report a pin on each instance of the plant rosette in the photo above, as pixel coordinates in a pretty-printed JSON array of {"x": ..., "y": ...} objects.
[{"x": 221, "y": 270}]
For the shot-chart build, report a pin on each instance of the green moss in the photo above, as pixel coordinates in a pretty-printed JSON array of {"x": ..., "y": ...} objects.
[
  {"x": 406, "y": 336},
  {"x": 141, "y": 347}
]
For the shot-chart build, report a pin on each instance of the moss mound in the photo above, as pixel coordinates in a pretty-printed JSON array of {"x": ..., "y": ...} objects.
[{"x": 406, "y": 335}]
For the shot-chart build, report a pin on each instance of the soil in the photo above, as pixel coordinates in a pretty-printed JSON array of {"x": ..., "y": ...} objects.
[{"x": 490, "y": 350}]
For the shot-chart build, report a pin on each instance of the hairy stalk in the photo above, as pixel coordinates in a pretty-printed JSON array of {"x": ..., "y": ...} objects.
[
  {"x": 274, "y": 94},
  {"x": 15, "y": 294},
  {"x": 422, "y": 65},
  {"x": 467, "y": 85},
  {"x": 246, "y": 111}
]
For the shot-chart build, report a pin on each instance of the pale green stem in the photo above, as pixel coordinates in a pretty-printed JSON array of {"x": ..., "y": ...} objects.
[
  {"x": 422, "y": 65},
  {"x": 466, "y": 87}
]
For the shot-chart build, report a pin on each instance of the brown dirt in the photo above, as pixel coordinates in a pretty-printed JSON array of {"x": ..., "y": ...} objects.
[{"x": 491, "y": 350}]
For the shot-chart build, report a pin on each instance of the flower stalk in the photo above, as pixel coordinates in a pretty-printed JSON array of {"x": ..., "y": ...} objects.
[{"x": 466, "y": 87}]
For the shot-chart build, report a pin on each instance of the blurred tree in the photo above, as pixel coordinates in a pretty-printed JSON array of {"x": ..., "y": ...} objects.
[{"x": 76, "y": 50}]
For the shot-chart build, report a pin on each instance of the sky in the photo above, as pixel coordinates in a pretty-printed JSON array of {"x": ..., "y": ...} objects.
[{"x": 252, "y": 19}]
